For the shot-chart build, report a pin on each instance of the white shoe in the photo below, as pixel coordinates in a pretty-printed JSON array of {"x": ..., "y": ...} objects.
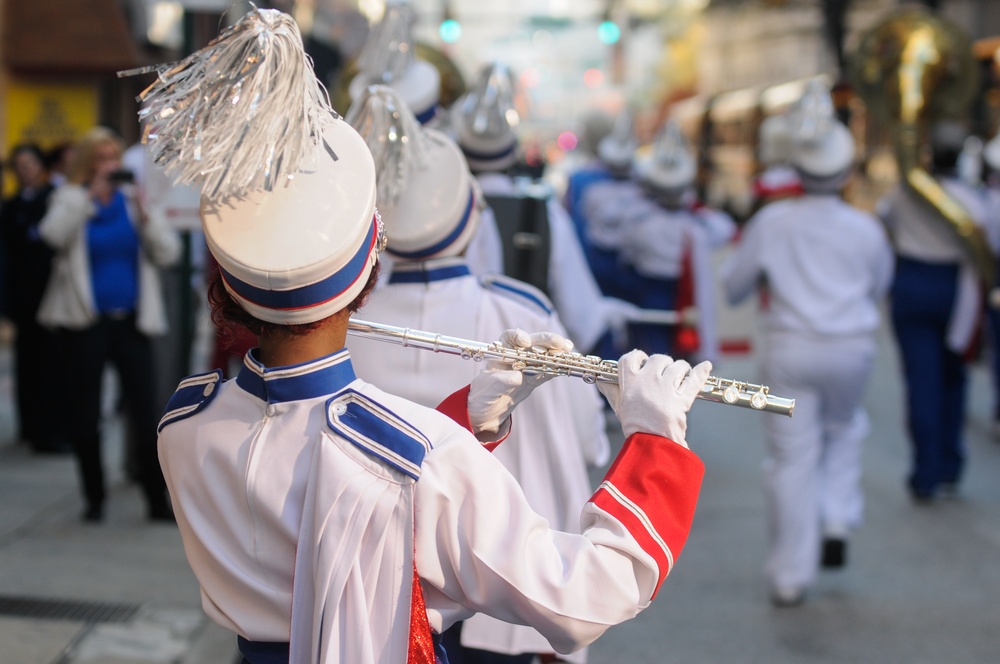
[{"x": 787, "y": 596}]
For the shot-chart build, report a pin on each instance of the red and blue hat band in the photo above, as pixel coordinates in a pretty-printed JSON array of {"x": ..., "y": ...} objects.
[{"x": 313, "y": 295}]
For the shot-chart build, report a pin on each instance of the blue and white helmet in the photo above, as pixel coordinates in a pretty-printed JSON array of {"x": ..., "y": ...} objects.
[
  {"x": 822, "y": 146},
  {"x": 389, "y": 58},
  {"x": 485, "y": 120},
  {"x": 617, "y": 149},
  {"x": 288, "y": 187},
  {"x": 668, "y": 165},
  {"x": 426, "y": 195}
]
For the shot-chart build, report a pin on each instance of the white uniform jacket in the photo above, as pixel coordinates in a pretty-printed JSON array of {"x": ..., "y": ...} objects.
[
  {"x": 304, "y": 496},
  {"x": 555, "y": 434},
  {"x": 827, "y": 266},
  {"x": 603, "y": 204}
]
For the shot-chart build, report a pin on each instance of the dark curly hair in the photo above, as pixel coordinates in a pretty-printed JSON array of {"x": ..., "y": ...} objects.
[{"x": 229, "y": 316}]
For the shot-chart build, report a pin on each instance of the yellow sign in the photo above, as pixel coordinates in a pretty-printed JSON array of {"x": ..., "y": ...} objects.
[{"x": 48, "y": 114}]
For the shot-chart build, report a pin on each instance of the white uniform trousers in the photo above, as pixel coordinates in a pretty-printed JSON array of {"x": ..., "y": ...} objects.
[{"x": 813, "y": 463}]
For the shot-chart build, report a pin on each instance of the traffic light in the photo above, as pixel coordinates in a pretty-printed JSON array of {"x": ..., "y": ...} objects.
[
  {"x": 608, "y": 32},
  {"x": 450, "y": 30}
]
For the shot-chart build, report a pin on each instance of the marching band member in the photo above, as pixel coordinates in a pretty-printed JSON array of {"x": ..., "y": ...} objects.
[
  {"x": 430, "y": 215},
  {"x": 668, "y": 245},
  {"x": 612, "y": 161},
  {"x": 827, "y": 266},
  {"x": 484, "y": 122},
  {"x": 327, "y": 520},
  {"x": 936, "y": 308},
  {"x": 602, "y": 206}
]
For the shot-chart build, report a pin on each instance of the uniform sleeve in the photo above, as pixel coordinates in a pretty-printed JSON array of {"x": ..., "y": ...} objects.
[
  {"x": 572, "y": 286},
  {"x": 480, "y": 547}
]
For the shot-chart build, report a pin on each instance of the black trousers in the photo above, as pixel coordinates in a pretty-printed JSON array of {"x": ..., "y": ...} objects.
[
  {"x": 38, "y": 408},
  {"x": 85, "y": 353}
]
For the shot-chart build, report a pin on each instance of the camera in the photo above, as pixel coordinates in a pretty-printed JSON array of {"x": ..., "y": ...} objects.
[{"x": 121, "y": 176}]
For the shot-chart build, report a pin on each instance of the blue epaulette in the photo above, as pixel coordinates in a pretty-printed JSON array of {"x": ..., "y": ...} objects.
[
  {"x": 517, "y": 290},
  {"x": 378, "y": 431},
  {"x": 192, "y": 394}
]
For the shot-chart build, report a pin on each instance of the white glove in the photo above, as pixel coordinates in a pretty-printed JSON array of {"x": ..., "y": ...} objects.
[
  {"x": 497, "y": 390},
  {"x": 654, "y": 394}
]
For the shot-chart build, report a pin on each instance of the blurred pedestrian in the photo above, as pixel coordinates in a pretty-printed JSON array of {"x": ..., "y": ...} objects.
[
  {"x": 27, "y": 267},
  {"x": 429, "y": 214},
  {"x": 826, "y": 267},
  {"x": 104, "y": 300},
  {"x": 937, "y": 304},
  {"x": 57, "y": 160}
]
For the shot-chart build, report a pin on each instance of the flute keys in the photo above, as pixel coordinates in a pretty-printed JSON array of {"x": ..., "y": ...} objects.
[
  {"x": 758, "y": 400},
  {"x": 731, "y": 394}
]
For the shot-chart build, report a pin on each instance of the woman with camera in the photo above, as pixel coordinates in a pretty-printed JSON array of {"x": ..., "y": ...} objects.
[{"x": 104, "y": 300}]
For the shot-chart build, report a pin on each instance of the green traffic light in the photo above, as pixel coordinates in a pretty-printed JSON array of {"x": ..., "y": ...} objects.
[
  {"x": 608, "y": 32},
  {"x": 450, "y": 31}
]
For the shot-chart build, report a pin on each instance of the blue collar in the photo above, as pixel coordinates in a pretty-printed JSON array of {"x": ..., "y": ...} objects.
[
  {"x": 425, "y": 272},
  {"x": 309, "y": 380}
]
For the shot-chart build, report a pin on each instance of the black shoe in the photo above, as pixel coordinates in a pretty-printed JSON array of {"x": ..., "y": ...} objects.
[
  {"x": 834, "y": 553},
  {"x": 93, "y": 514},
  {"x": 161, "y": 514}
]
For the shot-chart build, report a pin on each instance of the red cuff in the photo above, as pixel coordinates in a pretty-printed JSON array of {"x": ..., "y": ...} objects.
[
  {"x": 652, "y": 489},
  {"x": 456, "y": 406}
]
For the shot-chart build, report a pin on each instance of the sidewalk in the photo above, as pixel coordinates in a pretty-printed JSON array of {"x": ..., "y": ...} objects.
[{"x": 119, "y": 592}]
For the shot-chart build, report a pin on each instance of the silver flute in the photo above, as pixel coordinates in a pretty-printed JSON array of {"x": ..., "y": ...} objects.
[{"x": 590, "y": 368}]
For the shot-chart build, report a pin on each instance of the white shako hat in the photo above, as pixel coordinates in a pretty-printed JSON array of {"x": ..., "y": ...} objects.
[
  {"x": 617, "y": 149},
  {"x": 485, "y": 120},
  {"x": 425, "y": 192},
  {"x": 774, "y": 140},
  {"x": 389, "y": 58},
  {"x": 822, "y": 147},
  {"x": 288, "y": 187},
  {"x": 669, "y": 165}
]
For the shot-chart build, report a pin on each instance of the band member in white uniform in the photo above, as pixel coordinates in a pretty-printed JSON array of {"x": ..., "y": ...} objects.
[
  {"x": 329, "y": 521},
  {"x": 484, "y": 122},
  {"x": 669, "y": 245},
  {"x": 827, "y": 266},
  {"x": 937, "y": 306},
  {"x": 429, "y": 215}
]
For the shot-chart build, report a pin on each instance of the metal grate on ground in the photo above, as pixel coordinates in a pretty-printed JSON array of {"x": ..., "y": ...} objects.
[{"x": 57, "y": 609}]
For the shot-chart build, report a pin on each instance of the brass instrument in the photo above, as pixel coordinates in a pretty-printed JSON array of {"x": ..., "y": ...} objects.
[
  {"x": 911, "y": 69},
  {"x": 589, "y": 368}
]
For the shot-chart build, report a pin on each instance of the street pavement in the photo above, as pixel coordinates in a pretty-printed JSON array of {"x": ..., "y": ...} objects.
[{"x": 922, "y": 583}]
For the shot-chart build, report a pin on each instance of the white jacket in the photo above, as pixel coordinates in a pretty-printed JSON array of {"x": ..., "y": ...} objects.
[{"x": 69, "y": 297}]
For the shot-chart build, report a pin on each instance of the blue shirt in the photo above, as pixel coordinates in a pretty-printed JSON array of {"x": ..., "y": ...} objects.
[{"x": 113, "y": 245}]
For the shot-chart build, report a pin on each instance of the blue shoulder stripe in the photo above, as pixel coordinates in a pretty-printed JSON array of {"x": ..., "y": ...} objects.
[
  {"x": 192, "y": 394},
  {"x": 518, "y": 290},
  {"x": 377, "y": 431}
]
